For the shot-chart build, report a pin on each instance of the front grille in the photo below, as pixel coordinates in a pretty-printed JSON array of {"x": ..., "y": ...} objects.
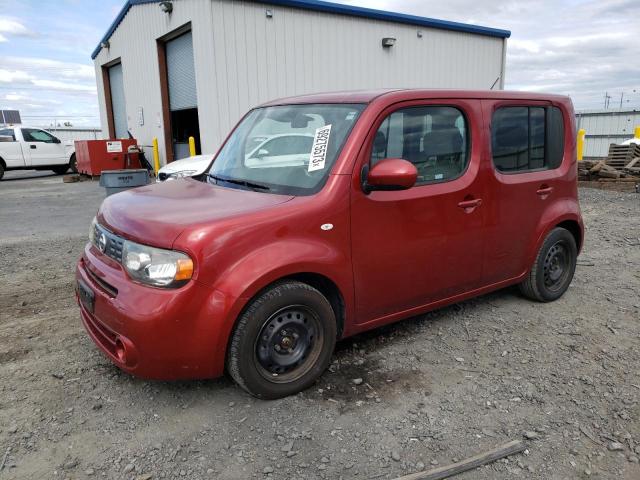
[
  {"x": 108, "y": 288},
  {"x": 109, "y": 243}
]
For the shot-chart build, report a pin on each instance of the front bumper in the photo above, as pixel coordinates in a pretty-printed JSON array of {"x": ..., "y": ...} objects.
[{"x": 164, "y": 334}]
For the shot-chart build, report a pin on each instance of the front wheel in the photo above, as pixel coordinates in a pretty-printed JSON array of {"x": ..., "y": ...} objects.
[
  {"x": 283, "y": 341},
  {"x": 60, "y": 169},
  {"x": 553, "y": 268}
]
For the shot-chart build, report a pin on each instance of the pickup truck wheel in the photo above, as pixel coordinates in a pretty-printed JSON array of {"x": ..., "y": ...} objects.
[
  {"x": 73, "y": 163},
  {"x": 553, "y": 268},
  {"x": 283, "y": 341},
  {"x": 60, "y": 169},
  {"x": 1, "y": 170}
]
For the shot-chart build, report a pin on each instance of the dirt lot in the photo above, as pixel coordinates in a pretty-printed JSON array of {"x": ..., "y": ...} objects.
[{"x": 436, "y": 388}]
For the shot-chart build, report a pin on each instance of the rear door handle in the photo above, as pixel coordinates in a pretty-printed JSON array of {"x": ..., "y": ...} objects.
[
  {"x": 33, "y": 146},
  {"x": 476, "y": 202},
  {"x": 543, "y": 191}
]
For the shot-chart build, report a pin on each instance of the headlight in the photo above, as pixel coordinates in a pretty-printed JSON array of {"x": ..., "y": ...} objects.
[
  {"x": 181, "y": 174},
  {"x": 92, "y": 231},
  {"x": 155, "y": 266}
]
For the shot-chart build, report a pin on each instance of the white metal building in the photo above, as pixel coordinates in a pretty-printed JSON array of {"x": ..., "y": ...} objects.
[
  {"x": 178, "y": 68},
  {"x": 604, "y": 127}
]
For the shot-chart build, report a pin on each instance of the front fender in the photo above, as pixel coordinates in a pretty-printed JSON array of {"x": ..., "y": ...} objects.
[{"x": 242, "y": 280}]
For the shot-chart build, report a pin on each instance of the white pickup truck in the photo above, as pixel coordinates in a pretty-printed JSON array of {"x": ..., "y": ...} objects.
[{"x": 26, "y": 148}]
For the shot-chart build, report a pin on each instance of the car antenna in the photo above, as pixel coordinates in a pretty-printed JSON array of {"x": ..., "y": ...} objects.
[{"x": 494, "y": 83}]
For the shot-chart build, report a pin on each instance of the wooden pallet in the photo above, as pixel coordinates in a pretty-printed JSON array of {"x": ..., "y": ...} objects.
[{"x": 620, "y": 155}]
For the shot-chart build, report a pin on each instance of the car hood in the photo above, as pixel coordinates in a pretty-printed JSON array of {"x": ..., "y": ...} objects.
[
  {"x": 199, "y": 163},
  {"x": 157, "y": 214}
]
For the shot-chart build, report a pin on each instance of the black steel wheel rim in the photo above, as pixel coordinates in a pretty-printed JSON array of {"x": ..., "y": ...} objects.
[
  {"x": 556, "y": 267},
  {"x": 289, "y": 344}
]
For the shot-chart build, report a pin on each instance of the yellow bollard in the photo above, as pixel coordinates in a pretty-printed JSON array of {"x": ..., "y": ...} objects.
[
  {"x": 580, "y": 143},
  {"x": 192, "y": 147},
  {"x": 636, "y": 132},
  {"x": 156, "y": 156}
]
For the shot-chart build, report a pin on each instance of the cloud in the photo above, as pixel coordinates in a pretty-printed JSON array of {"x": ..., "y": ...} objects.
[
  {"x": 12, "y": 27},
  {"x": 46, "y": 90},
  {"x": 64, "y": 86},
  {"x": 12, "y": 76},
  {"x": 581, "y": 48},
  {"x": 48, "y": 75}
]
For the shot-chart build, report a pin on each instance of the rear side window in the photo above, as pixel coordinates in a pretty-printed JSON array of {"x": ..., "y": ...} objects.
[
  {"x": 434, "y": 138},
  {"x": 527, "y": 138},
  {"x": 7, "y": 135}
]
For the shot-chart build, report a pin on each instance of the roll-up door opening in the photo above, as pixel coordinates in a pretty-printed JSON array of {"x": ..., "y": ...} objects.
[
  {"x": 118, "y": 111},
  {"x": 183, "y": 102}
]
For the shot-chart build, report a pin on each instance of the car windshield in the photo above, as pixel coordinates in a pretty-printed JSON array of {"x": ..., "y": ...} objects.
[{"x": 286, "y": 149}]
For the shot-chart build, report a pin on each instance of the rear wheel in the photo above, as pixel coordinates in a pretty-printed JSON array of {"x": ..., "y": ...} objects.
[
  {"x": 1, "y": 170},
  {"x": 553, "y": 268},
  {"x": 73, "y": 163},
  {"x": 283, "y": 341}
]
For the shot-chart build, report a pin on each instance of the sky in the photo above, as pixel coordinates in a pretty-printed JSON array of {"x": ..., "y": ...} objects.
[{"x": 582, "y": 48}]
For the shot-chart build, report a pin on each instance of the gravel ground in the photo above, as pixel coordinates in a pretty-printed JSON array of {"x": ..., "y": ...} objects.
[{"x": 434, "y": 389}]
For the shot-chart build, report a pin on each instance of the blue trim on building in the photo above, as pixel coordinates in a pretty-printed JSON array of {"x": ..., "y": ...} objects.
[{"x": 329, "y": 7}]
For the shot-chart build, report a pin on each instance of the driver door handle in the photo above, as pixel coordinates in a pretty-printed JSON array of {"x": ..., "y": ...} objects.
[
  {"x": 476, "y": 202},
  {"x": 33, "y": 146}
]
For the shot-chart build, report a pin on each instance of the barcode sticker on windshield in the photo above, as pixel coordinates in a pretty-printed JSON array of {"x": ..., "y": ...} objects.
[{"x": 318, "y": 153}]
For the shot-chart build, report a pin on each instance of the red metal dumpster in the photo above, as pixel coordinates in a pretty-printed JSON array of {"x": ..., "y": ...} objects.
[{"x": 94, "y": 156}]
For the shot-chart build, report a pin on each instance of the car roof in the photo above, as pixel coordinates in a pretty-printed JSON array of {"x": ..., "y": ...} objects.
[{"x": 367, "y": 96}]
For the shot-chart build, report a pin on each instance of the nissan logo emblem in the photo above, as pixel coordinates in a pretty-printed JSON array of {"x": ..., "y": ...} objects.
[{"x": 102, "y": 242}]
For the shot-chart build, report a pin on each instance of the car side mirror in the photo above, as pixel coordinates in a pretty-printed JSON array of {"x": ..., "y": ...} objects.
[{"x": 389, "y": 174}]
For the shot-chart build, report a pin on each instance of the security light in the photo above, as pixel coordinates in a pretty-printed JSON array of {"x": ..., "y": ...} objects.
[
  {"x": 268, "y": 13},
  {"x": 166, "y": 6},
  {"x": 388, "y": 42},
  {"x": 105, "y": 44}
]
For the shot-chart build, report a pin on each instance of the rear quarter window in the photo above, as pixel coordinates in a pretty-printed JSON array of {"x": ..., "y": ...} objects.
[{"x": 527, "y": 138}]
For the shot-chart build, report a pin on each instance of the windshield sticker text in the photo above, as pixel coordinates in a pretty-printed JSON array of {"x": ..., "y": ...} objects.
[{"x": 319, "y": 148}]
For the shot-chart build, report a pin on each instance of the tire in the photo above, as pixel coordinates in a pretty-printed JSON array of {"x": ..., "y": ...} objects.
[
  {"x": 553, "y": 268},
  {"x": 73, "y": 163},
  {"x": 60, "y": 169},
  {"x": 270, "y": 364},
  {"x": 1, "y": 170}
]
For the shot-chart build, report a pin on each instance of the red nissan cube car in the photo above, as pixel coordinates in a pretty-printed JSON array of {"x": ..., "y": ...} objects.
[{"x": 326, "y": 215}]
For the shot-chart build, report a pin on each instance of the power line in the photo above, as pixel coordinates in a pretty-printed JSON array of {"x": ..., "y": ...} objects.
[
  {"x": 60, "y": 116},
  {"x": 85, "y": 90}
]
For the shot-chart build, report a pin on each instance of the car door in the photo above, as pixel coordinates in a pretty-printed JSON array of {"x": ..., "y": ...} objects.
[
  {"x": 527, "y": 145},
  {"x": 43, "y": 148},
  {"x": 11, "y": 150},
  {"x": 417, "y": 246}
]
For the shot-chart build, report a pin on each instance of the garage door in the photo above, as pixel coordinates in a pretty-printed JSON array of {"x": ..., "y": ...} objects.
[
  {"x": 117, "y": 101},
  {"x": 181, "y": 72},
  {"x": 183, "y": 101}
]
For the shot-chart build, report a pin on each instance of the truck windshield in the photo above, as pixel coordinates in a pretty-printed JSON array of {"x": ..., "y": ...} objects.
[{"x": 287, "y": 149}]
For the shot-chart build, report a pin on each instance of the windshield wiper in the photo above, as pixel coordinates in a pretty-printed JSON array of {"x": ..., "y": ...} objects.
[{"x": 245, "y": 183}]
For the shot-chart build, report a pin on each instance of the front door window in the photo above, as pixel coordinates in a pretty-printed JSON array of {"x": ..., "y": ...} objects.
[{"x": 433, "y": 138}]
